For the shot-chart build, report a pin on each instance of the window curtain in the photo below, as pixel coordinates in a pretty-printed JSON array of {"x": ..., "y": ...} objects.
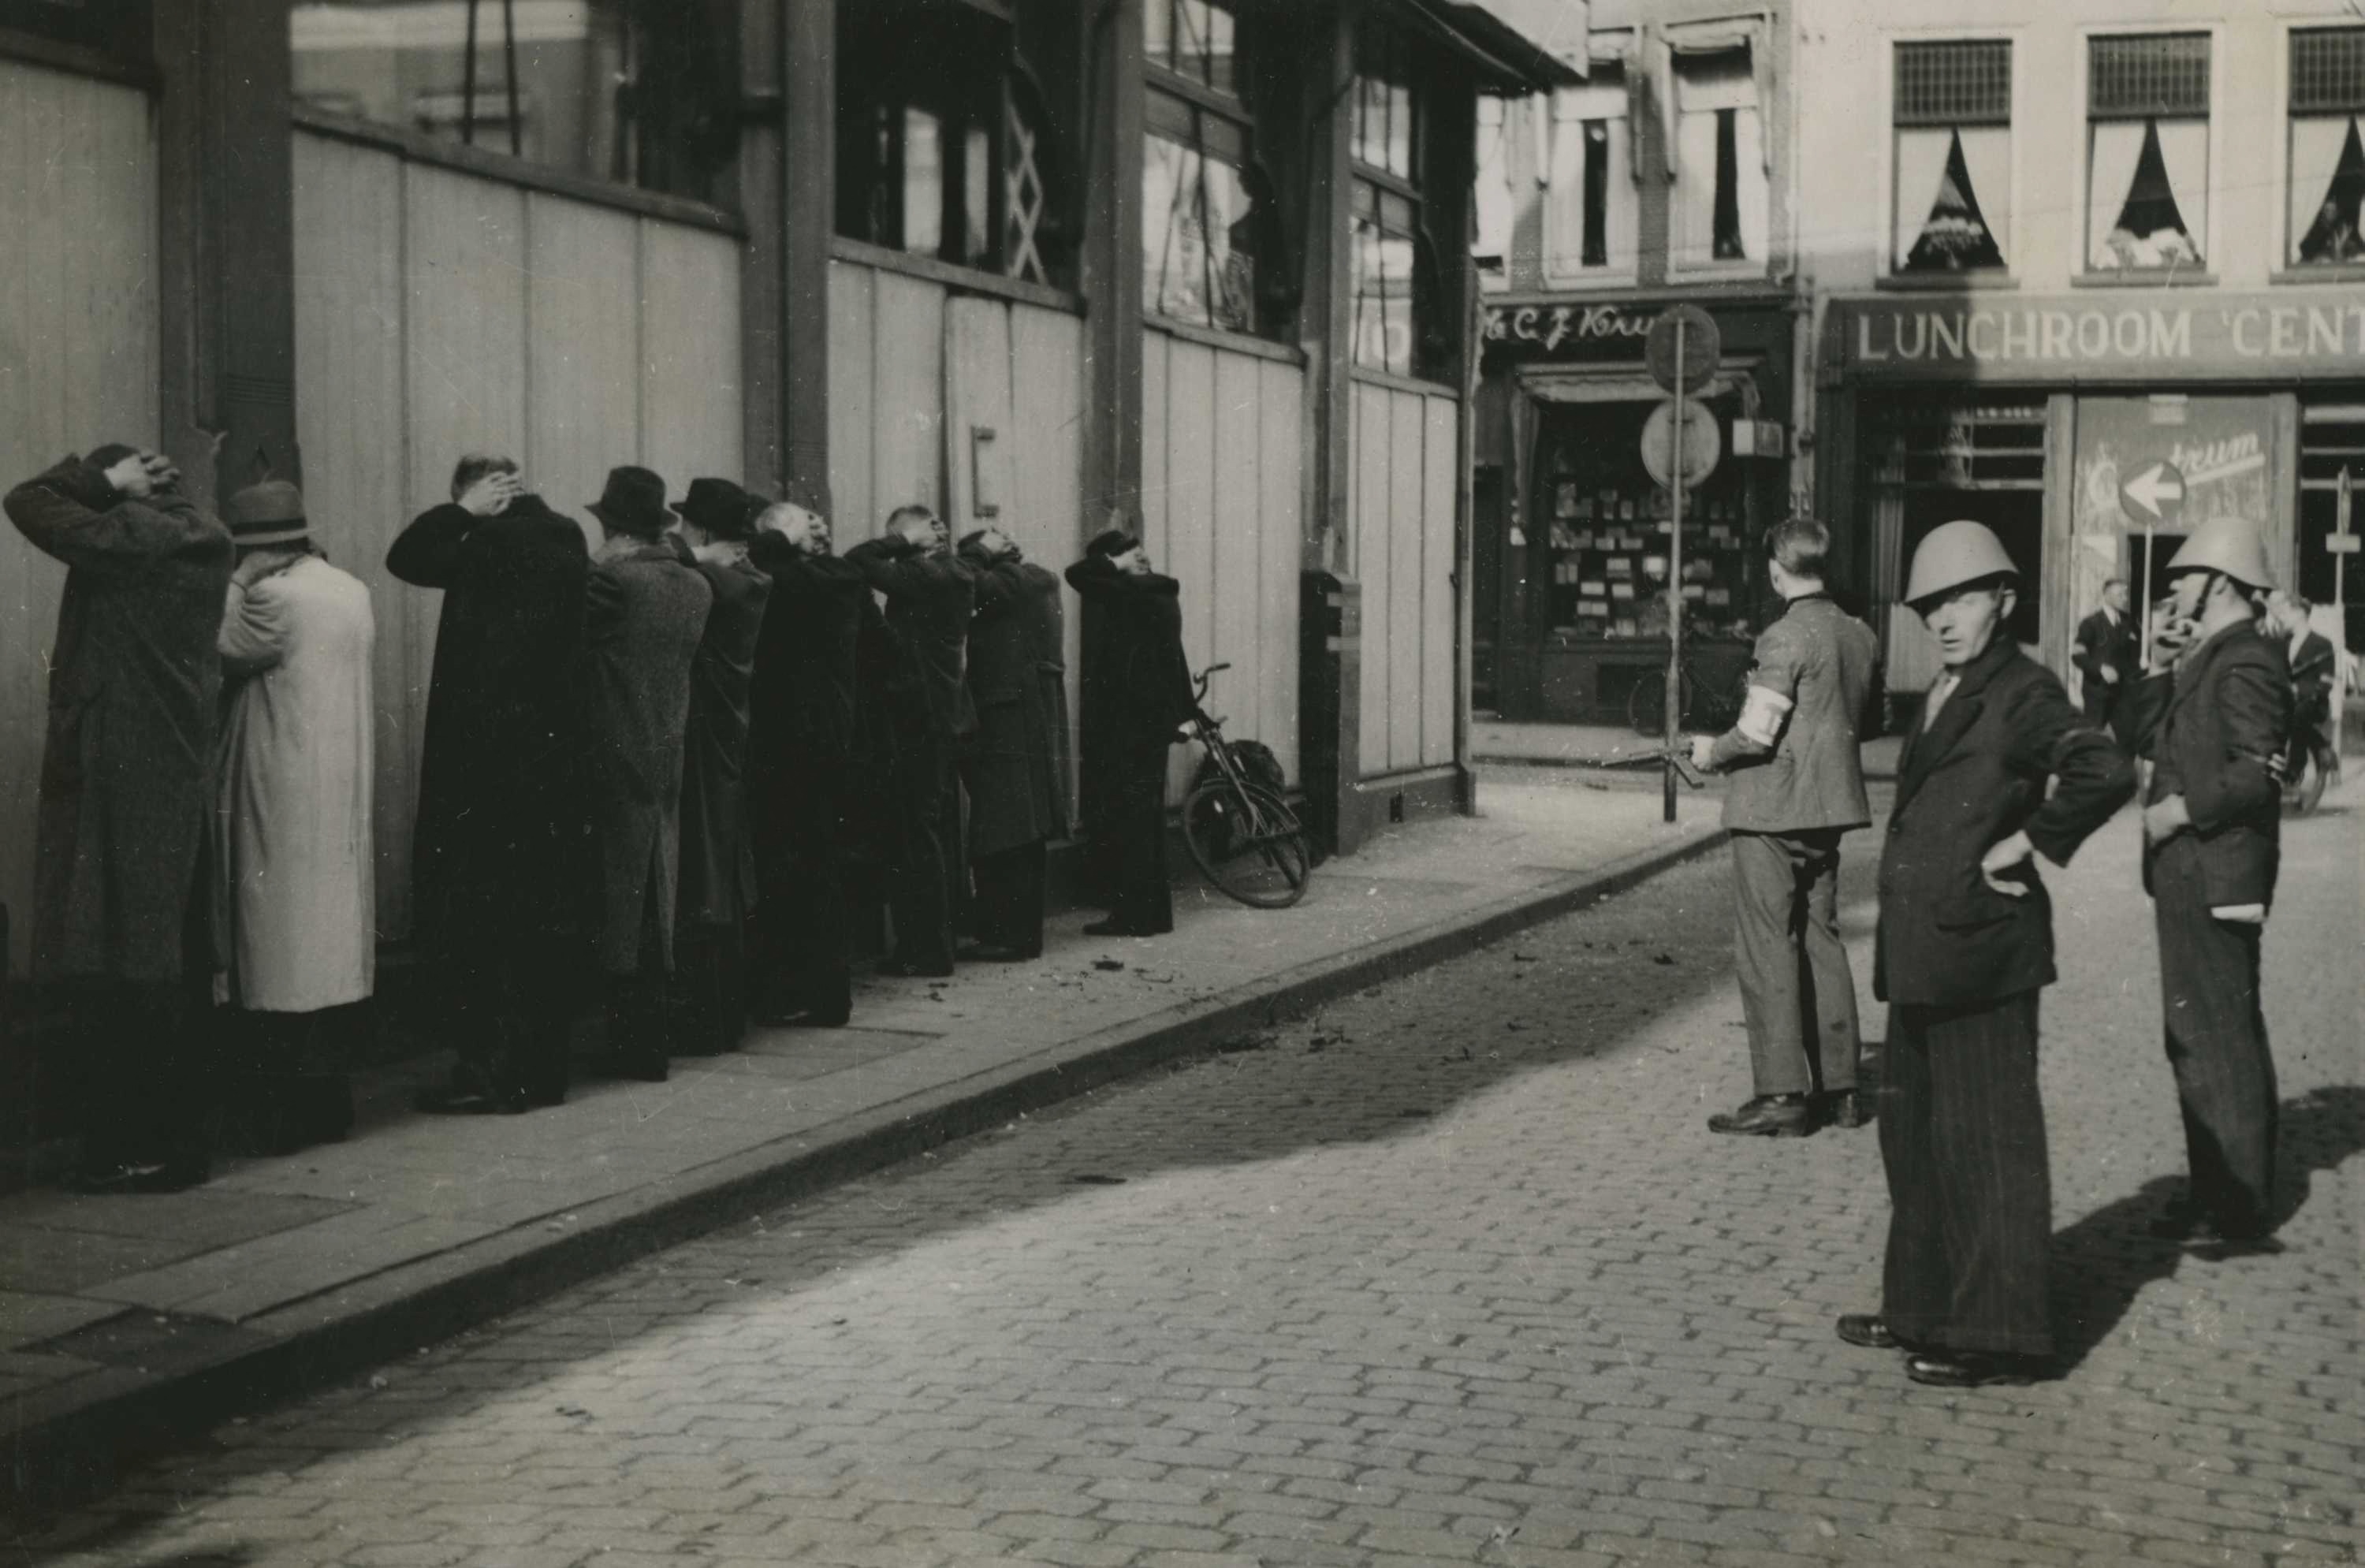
[
  {"x": 1987, "y": 157},
  {"x": 2120, "y": 187},
  {"x": 1921, "y": 164},
  {"x": 2110, "y": 169},
  {"x": 2317, "y": 144},
  {"x": 1922, "y": 157},
  {"x": 2184, "y": 145},
  {"x": 1754, "y": 190},
  {"x": 1495, "y": 205}
]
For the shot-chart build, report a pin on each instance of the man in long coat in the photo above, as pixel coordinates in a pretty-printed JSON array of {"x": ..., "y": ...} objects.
[
  {"x": 645, "y": 608},
  {"x": 931, "y": 594},
  {"x": 2214, "y": 718},
  {"x": 502, "y": 869},
  {"x": 2315, "y": 678},
  {"x": 1017, "y": 767},
  {"x": 718, "y": 865},
  {"x": 1136, "y": 691},
  {"x": 2108, "y": 658},
  {"x": 297, "y": 904},
  {"x": 119, "y": 908},
  {"x": 804, "y": 740},
  {"x": 1997, "y": 768}
]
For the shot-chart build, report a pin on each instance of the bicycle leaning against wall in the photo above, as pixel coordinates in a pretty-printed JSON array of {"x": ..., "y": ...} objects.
[{"x": 1240, "y": 832}]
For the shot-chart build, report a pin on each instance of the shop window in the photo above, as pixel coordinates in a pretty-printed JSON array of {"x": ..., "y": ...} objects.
[
  {"x": 943, "y": 145},
  {"x": 1210, "y": 244},
  {"x": 642, "y": 93},
  {"x": 1952, "y": 127},
  {"x": 2146, "y": 151},
  {"x": 2327, "y": 160},
  {"x": 1722, "y": 192},
  {"x": 1589, "y": 206},
  {"x": 1393, "y": 264}
]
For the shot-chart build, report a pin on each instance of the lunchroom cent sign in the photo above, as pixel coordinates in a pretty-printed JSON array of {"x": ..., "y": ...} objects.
[{"x": 2139, "y": 336}]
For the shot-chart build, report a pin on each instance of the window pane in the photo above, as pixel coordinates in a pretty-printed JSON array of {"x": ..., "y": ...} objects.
[
  {"x": 2328, "y": 70},
  {"x": 2158, "y": 74},
  {"x": 1158, "y": 31},
  {"x": 1221, "y": 49},
  {"x": 1959, "y": 81},
  {"x": 923, "y": 183},
  {"x": 2327, "y": 164},
  {"x": 1200, "y": 236},
  {"x": 1950, "y": 182},
  {"x": 1384, "y": 290},
  {"x": 1231, "y": 241},
  {"x": 1191, "y": 30},
  {"x": 1400, "y": 159},
  {"x": 1596, "y": 193},
  {"x": 977, "y": 196},
  {"x": 2147, "y": 184}
]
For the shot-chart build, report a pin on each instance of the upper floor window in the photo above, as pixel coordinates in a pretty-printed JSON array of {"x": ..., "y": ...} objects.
[
  {"x": 1210, "y": 248},
  {"x": 1496, "y": 206},
  {"x": 2146, "y": 151},
  {"x": 1394, "y": 266},
  {"x": 1718, "y": 211},
  {"x": 1589, "y": 204},
  {"x": 642, "y": 93},
  {"x": 1952, "y": 203},
  {"x": 2328, "y": 161},
  {"x": 943, "y": 145}
]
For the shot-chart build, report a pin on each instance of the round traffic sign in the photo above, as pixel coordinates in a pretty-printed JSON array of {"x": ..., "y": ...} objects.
[
  {"x": 2154, "y": 496},
  {"x": 1701, "y": 349},
  {"x": 1701, "y": 445}
]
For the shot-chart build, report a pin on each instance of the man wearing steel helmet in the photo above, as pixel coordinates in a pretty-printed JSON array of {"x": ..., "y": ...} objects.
[
  {"x": 1965, "y": 944},
  {"x": 2212, "y": 717}
]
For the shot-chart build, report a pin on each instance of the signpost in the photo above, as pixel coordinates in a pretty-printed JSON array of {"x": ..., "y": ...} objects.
[
  {"x": 2343, "y": 545},
  {"x": 2155, "y": 496},
  {"x": 1681, "y": 353}
]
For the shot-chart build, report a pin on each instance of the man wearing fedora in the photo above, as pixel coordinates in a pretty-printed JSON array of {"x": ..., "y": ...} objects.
[
  {"x": 718, "y": 865},
  {"x": 296, "y": 909},
  {"x": 120, "y": 852},
  {"x": 644, "y": 610}
]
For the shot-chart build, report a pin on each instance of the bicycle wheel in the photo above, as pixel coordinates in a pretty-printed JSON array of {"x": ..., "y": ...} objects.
[
  {"x": 1248, "y": 843},
  {"x": 1646, "y": 705}
]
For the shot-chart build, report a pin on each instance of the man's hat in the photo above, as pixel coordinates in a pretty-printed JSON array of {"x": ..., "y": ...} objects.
[
  {"x": 720, "y": 507},
  {"x": 268, "y": 514},
  {"x": 633, "y": 503}
]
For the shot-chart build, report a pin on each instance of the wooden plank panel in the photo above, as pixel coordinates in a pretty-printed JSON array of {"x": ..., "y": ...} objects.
[
  {"x": 583, "y": 348},
  {"x": 1046, "y": 374},
  {"x": 1157, "y": 368},
  {"x": 1440, "y": 666},
  {"x": 1233, "y": 584},
  {"x": 464, "y": 305},
  {"x": 1190, "y": 554},
  {"x": 1279, "y": 521},
  {"x": 1404, "y": 522},
  {"x": 851, "y": 307},
  {"x": 908, "y": 400},
  {"x": 1370, "y": 461},
  {"x": 979, "y": 433},
  {"x": 689, "y": 396}
]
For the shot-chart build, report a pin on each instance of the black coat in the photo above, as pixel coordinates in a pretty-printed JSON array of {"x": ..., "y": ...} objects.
[
  {"x": 801, "y": 696},
  {"x": 718, "y": 866},
  {"x": 2104, "y": 646},
  {"x": 1136, "y": 680},
  {"x": 930, "y": 598},
  {"x": 1017, "y": 770},
  {"x": 2211, "y": 728},
  {"x": 1974, "y": 775},
  {"x": 501, "y": 843}
]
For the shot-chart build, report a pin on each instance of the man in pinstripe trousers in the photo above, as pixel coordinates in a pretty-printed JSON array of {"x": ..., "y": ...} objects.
[{"x": 1964, "y": 945}]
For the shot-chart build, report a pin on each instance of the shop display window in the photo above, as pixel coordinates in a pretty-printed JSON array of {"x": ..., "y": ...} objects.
[
  {"x": 1719, "y": 204},
  {"x": 2146, "y": 151},
  {"x": 1952, "y": 200},
  {"x": 2327, "y": 157}
]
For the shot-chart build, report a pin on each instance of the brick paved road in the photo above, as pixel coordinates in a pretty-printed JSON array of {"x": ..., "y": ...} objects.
[{"x": 1450, "y": 1274}]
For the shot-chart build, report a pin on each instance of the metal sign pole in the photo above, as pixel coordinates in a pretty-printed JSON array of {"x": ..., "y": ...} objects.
[
  {"x": 1675, "y": 695},
  {"x": 2144, "y": 600},
  {"x": 2340, "y": 612}
]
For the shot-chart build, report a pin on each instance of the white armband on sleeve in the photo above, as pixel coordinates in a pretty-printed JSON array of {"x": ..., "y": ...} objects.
[{"x": 1761, "y": 716}]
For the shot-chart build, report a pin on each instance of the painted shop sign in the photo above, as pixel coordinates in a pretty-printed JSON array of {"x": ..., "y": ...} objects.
[
  {"x": 1613, "y": 331},
  {"x": 2133, "y": 337}
]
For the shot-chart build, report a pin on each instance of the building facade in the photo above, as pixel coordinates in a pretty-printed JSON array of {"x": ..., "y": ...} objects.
[
  {"x": 2087, "y": 270},
  {"x": 1194, "y": 265}
]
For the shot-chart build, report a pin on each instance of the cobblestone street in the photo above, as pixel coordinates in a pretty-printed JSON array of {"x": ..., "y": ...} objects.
[{"x": 1449, "y": 1273}]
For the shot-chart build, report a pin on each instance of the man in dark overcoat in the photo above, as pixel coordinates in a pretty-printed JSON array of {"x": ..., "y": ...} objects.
[
  {"x": 1136, "y": 691},
  {"x": 1017, "y": 769},
  {"x": 502, "y": 868},
  {"x": 931, "y": 594},
  {"x": 120, "y": 909},
  {"x": 645, "y": 611},
  {"x": 2315, "y": 679},
  {"x": 2214, "y": 719},
  {"x": 1997, "y": 768},
  {"x": 2109, "y": 657},
  {"x": 804, "y": 744},
  {"x": 718, "y": 864}
]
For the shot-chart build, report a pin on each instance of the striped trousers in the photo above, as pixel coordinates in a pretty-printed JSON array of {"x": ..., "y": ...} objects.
[
  {"x": 1970, "y": 1190},
  {"x": 2216, "y": 1039}
]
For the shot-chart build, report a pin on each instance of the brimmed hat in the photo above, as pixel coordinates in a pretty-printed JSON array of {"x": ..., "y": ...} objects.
[
  {"x": 720, "y": 507},
  {"x": 633, "y": 503},
  {"x": 268, "y": 514}
]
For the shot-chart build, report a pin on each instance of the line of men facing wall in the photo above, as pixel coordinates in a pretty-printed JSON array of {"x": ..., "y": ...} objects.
[{"x": 658, "y": 760}]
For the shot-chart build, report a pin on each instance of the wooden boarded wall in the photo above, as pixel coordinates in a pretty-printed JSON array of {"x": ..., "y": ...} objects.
[
  {"x": 1401, "y": 488},
  {"x": 440, "y": 313},
  {"x": 78, "y": 340},
  {"x": 1222, "y": 511}
]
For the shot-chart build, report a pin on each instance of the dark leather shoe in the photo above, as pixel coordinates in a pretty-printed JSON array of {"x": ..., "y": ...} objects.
[
  {"x": 1768, "y": 1115},
  {"x": 1848, "y": 1108},
  {"x": 1969, "y": 1369},
  {"x": 1868, "y": 1330}
]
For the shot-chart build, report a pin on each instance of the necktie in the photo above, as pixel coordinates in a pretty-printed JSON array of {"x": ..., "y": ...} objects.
[{"x": 1938, "y": 695}]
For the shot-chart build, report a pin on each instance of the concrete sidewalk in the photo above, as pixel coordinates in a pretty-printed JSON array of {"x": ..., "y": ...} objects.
[
  {"x": 1613, "y": 746},
  {"x": 125, "y": 1320}
]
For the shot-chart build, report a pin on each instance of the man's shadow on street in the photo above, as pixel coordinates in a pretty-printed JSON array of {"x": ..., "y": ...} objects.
[{"x": 2103, "y": 1262}]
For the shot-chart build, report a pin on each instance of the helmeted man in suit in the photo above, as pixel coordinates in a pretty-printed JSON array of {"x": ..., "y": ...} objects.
[
  {"x": 2108, "y": 658},
  {"x": 1964, "y": 945},
  {"x": 1798, "y": 786},
  {"x": 2214, "y": 715}
]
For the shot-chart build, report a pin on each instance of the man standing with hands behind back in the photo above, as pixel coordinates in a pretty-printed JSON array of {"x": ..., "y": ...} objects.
[
  {"x": 2108, "y": 658},
  {"x": 1798, "y": 786}
]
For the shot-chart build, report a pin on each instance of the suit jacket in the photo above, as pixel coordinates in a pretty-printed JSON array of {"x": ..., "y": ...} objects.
[
  {"x": 1972, "y": 776},
  {"x": 2101, "y": 644},
  {"x": 1820, "y": 660},
  {"x": 2313, "y": 672},
  {"x": 2211, "y": 726}
]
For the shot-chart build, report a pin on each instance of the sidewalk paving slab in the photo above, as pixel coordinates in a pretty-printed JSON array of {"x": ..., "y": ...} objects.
[{"x": 127, "y": 1321}]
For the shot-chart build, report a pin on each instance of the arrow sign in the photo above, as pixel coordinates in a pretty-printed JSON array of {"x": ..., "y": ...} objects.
[{"x": 2154, "y": 496}]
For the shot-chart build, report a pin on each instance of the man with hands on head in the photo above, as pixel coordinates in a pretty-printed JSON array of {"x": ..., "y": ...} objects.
[
  {"x": 1017, "y": 772},
  {"x": 1997, "y": 768}
]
